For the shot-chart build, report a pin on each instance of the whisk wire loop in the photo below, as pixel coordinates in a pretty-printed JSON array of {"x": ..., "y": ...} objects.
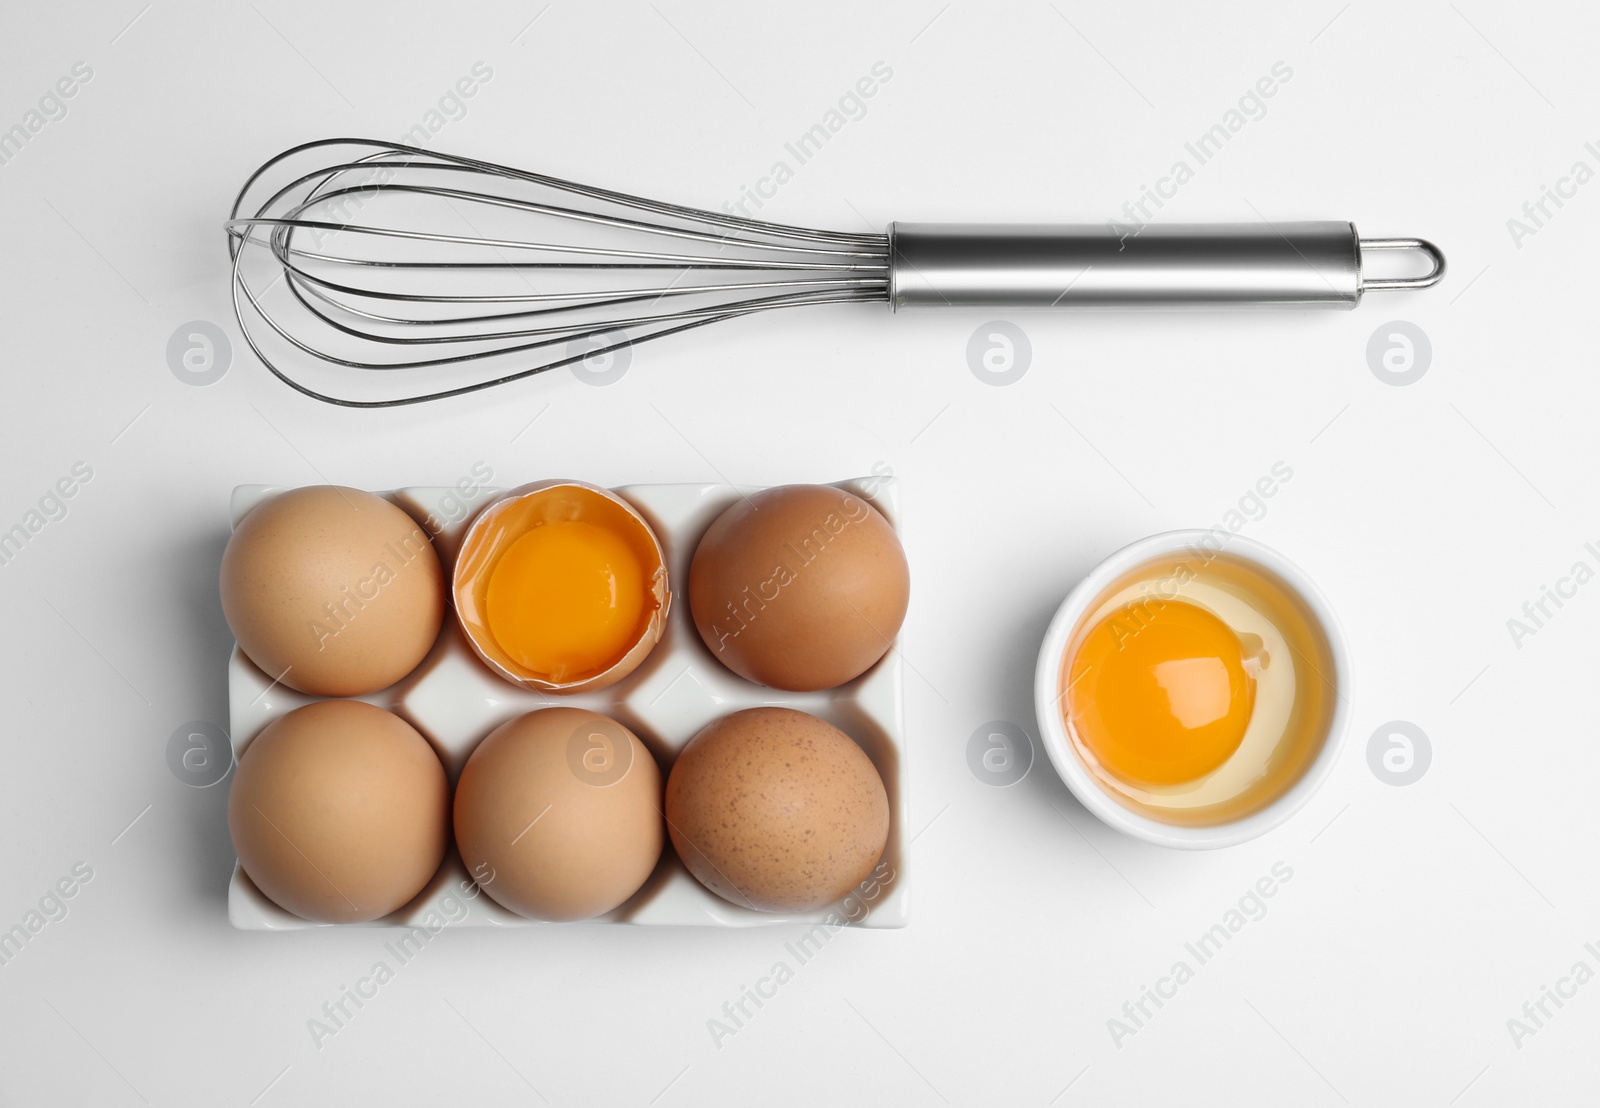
[{"x": 402, "y": 263}]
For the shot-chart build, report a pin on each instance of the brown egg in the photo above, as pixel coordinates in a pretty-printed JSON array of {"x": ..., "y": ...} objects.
[
  {"x": 339, "y": 811},
  {"x": 558, "y": 814},
  {"x": 777, "y": 810},
  {"x": 332, "y": 591},
  {"x": 800, "y": 587}
]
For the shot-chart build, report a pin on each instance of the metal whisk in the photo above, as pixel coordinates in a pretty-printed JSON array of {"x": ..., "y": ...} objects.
[{"x": 387, "y": 268}]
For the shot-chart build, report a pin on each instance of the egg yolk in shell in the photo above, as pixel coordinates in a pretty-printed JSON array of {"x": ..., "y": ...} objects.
[
  {"x": 565, "y": 599},
  {"x": 1160, "y": 692}
]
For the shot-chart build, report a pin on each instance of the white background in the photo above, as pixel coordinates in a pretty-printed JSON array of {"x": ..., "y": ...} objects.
[{"x": 1419, "y": 919}]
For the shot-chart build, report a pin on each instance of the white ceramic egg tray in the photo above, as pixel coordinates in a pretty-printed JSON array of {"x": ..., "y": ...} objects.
[{"x": 454, "y": 700}]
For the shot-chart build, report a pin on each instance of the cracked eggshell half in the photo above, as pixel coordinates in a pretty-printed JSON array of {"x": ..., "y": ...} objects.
[{"x": 530, "y": 605}]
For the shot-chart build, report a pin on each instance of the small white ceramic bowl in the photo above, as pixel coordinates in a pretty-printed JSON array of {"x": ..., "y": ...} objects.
[{"x": 1057, "y": 743}]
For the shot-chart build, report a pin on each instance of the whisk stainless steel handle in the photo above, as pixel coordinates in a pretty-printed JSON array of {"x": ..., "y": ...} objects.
[
  {"x": 1298, "y": 265},
  {"x": 403, "y": 263}
]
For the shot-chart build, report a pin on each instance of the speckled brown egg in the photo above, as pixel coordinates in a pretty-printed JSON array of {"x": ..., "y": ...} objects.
[
  {"x": 558, "y": 814},
  {"x": 800, "y": 587},
  {"x": 777, "y": 810},
  {"x": 339, "y": 811},
  {"x": 332, "y": 591}
]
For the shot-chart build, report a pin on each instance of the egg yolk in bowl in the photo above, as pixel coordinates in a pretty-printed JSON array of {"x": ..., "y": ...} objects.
[
  {"x": 1195, "y": 689},
  {"x": 1162, "y": 692}
]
